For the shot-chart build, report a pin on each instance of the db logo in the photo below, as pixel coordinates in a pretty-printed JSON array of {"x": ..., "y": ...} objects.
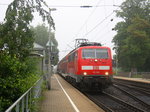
[{"x": 96, "y": 67}]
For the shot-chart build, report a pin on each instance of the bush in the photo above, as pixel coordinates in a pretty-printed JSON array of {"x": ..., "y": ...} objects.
[{"x": 15, "y": 78}]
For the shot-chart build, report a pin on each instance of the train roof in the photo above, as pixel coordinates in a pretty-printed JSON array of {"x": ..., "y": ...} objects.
[
  {"x": 93, "y": 47},
  {"x": 86, "y": 45},
  {"x": 90, "y": 44}
]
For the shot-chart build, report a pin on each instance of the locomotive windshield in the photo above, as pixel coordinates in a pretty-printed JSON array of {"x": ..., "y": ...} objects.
[{"x": 95, "y": 53}]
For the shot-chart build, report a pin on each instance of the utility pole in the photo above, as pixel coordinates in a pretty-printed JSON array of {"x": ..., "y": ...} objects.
[{"x": 49, "y": 71}]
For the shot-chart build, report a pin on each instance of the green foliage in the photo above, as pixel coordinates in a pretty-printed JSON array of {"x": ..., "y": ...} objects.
[
  {"x": 15, "y": 78},
  {"x": 1, "y": 33},
  {"x": 17, "y": 72},
  {"x": 41, "y": 34},
  {"x": 16, "y": 27},
  {"x": 133, "y": 35}
]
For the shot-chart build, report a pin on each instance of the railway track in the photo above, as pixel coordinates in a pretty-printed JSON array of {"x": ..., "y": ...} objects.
[
  {"x": 137, "y": 88},
  {"x": 134, "y": 97},
  {"x": 139, "y": 85},
  {"x": 121, "y": 97},
  {"x": 111, "y": 103}
]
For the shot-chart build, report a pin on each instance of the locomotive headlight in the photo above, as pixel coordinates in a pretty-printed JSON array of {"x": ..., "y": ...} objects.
[
  {"x": 84, "y": 73},
  {"x": 95, "y": 60},
  {"x": 106, "y": 73}
]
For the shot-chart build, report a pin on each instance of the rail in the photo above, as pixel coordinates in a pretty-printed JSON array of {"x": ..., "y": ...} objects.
[{"x": 24, "y": 103}]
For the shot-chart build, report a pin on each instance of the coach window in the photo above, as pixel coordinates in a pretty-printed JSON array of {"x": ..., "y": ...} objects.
[
  {"x": 76, "y": 55},
  {"x": 69, "y": 58},
  {"x": 73, "y": 56}
]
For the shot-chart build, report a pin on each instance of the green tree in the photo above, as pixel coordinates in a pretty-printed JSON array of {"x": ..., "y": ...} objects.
[
  {"x": 133, "y": 35},
  {"x": 42, "y": 36},
  {"x": 15, "y": 78},
  {"x": 16, "y": 40},
  {"x": 16, "y": 30}
]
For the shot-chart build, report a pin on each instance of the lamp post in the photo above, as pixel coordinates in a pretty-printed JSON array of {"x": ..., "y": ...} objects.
[
  {"x": 50, "y": 9},
  {"x": 48, "y": 45}
]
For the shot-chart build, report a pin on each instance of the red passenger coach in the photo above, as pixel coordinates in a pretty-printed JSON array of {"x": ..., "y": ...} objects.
[{"x": 90, "y": 65}]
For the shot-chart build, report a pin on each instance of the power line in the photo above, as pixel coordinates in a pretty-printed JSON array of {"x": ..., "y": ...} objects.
[
  {"x": 100, "y": 30},
  {"x": 88, "y": 18},
  {"x": 98, "y": 24},
  {"x": 103, "y": 36},
  {"x": 107, "y": 25},
  {"x": 4, "y": 4},
  {"x": 78, "y": 6}
]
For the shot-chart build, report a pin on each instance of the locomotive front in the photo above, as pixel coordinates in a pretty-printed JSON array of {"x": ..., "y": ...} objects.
[{"x": 95, "y": 66}]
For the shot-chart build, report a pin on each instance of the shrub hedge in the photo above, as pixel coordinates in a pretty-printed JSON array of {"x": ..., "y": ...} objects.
[{"x": 15, "y": 78}]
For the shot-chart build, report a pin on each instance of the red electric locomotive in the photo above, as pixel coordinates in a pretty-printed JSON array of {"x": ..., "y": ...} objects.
[{"x": 90, "y": 65}]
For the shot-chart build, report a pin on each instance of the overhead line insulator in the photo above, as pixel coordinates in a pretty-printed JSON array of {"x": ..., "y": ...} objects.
[{"x": 86, "y": 6}]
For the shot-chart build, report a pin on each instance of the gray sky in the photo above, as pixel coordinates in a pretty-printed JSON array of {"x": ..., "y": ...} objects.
[{"x": 74, "y": 22}]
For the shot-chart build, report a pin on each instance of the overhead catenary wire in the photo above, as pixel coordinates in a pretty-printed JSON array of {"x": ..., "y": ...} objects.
[
  {"x": 104, "y": 28},
  {"x": 85, "y": 21},
  {"x": 99, "y": 23},
  {"x": 103, "y": 36},
  {"x": 109, "y": 23},
  {"x": 99, "y": 31},
  {"x": 70, "y": 6},
  {"x": 88, "y": 18},
  {"x": 76, "y": 35},
  {"x": 67, "y": 6},
  {"x": 4, "y": 4},
  {"x": 105, "y": 19},
  {"x": 102, "y": 20}
]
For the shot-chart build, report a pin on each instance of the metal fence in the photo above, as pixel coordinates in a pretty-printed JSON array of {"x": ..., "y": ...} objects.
[{"x": 28, "y": 99}]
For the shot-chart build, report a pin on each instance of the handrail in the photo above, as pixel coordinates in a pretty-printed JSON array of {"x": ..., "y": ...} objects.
[{"x": 26, "y": 98}]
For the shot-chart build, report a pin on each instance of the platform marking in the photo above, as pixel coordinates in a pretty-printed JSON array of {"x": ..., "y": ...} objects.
[{"x": 72, "y": 103}]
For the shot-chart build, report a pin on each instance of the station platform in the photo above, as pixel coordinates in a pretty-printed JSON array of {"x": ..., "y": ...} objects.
[
  {"x": 134, "y": 79},
  {"x": 63, "y": 97}
]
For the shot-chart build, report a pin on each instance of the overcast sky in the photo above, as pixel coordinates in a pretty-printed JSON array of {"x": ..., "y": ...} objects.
[{"x": 73, "y": 22}]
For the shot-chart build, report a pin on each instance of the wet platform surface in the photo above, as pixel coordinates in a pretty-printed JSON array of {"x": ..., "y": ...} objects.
[{"x": 63, "y": 97}]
